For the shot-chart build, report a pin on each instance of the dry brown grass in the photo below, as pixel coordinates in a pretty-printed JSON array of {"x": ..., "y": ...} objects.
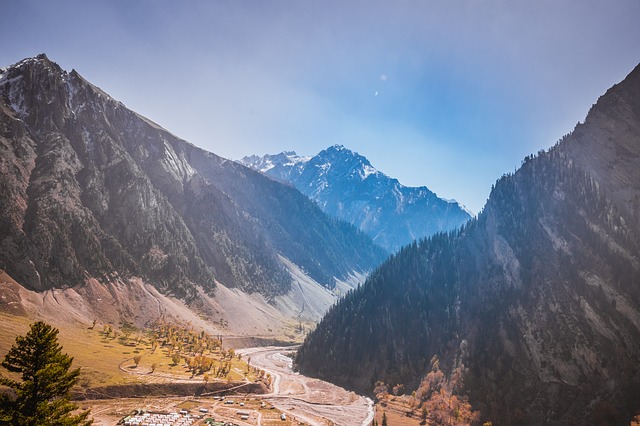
[
  {"x": 98, "y": 358},
  {"x": 101, "y": 358}
]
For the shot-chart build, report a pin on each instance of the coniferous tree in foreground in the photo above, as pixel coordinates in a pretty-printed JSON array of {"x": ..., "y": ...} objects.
[{"x": 41, "y": 397}]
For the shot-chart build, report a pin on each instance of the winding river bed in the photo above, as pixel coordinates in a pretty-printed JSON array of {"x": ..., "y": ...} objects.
[{"x": 313, "y": 401}]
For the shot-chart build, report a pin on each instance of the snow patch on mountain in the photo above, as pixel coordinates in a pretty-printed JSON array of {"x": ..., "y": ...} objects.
[{"x": 367, "y": 171}]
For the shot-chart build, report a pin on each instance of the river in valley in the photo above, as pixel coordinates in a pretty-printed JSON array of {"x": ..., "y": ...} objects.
[{"x": 310, "y": 400}]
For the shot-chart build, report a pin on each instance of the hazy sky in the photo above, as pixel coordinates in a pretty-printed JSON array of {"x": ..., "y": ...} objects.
[{"x": 450, "y": 94}]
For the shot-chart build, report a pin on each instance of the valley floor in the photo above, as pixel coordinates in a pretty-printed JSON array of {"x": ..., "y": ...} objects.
[{"x": 301, "y": 399}]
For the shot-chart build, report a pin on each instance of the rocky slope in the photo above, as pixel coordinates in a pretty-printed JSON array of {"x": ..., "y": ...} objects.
[
  {"x": 346, "y": 186},
  {"x": 90, "y": 190},
  {"x": 535, "y": 303}
]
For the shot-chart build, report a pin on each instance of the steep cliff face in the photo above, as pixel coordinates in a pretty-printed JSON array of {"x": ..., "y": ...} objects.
[
  {"x": 346, "y": 186},
  {"x": 537, "y": 299},
  {"x": 90, "y": 189},
  {"x": 608, "y": 145}
]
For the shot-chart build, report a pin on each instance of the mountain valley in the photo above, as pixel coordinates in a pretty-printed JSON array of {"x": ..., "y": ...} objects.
[{"x": 112, "y": 228}]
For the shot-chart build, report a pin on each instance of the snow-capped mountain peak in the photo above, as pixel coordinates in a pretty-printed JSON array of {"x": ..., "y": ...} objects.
[
  {"x": 278, "y": 166},
  {"x": 345, "y": 185}
]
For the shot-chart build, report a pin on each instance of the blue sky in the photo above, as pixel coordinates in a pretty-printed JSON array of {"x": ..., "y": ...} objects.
[{"x": 450, "y": 94}]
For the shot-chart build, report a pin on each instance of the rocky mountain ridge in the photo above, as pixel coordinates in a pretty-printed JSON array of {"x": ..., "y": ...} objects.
[
  {"x": 345, "y": 185},
  {"x": 92, "y": 190},
  {"x": 534, "y": 304}
]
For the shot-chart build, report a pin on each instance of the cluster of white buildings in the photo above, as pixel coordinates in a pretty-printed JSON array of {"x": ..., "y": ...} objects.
[{"x": 156, "y": 419}]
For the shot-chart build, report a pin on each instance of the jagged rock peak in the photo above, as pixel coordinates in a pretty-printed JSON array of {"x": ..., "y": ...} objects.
[
  {"x": 339, "y": 147},
  {"x": 39, "y": 60}
]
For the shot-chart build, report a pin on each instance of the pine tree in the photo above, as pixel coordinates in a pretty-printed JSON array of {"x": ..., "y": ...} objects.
[{"x": 42, "y": 396}]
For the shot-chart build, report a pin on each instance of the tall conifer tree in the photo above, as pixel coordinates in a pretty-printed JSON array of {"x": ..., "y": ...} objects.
[{"x": 42, "y": 395}]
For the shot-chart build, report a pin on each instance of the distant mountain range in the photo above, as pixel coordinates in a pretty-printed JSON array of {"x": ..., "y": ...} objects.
[
  {"x": 90, "y": 190},
  {"x": 346, "y": 186},
  {"x": 532, "y": 308}
]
